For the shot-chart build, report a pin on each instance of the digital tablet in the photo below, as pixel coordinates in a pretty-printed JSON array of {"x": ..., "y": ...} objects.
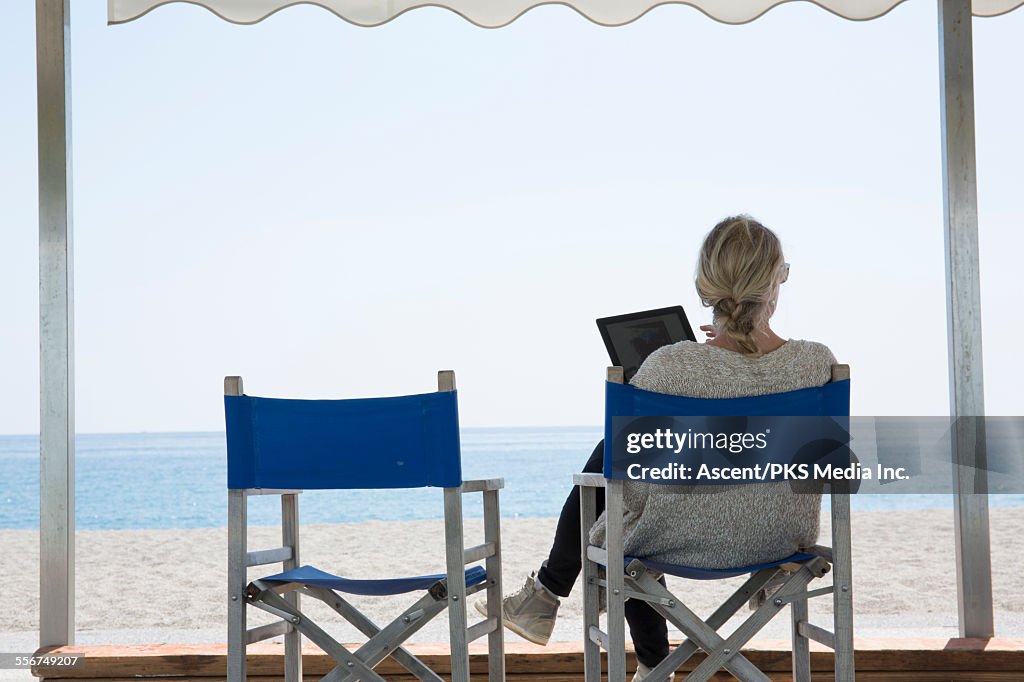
[{"x": 631, "y": 338}]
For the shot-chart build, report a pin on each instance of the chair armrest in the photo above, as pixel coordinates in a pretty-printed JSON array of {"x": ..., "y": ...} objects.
[
  {"x": 483, "y": 484},
  {"x": 822, "y": 551},
  {"x": 589, "y": 480},
  {"x": 270, "y": 491}
]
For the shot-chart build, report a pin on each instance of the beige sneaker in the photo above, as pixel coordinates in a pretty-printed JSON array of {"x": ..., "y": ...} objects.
[
  {"x": 530, "y": 612},
  {"x": 642, "y": 671}
]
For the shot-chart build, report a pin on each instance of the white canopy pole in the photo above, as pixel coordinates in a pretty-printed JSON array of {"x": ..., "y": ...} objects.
[
  {"x": 56, "y": 328},
  {"x": 963, "y": 308}
]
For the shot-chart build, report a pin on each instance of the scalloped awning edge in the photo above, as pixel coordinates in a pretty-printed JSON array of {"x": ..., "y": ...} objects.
[{"x": 498, "y": 13}]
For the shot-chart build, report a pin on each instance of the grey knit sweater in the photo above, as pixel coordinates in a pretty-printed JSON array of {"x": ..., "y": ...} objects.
[{"x": 730, "y": 525}]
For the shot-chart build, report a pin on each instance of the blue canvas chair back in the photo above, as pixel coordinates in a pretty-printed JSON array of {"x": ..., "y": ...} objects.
[
  {"x": 400, "y": 442},
  {"x": 623, "y": 400}
]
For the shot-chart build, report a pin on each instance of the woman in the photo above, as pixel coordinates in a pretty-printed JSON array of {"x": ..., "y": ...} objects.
[{"x": 739, "y": 272}]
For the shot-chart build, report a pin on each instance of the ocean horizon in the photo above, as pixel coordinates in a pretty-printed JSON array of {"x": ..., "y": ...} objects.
[{"x": 178, "y": 480}]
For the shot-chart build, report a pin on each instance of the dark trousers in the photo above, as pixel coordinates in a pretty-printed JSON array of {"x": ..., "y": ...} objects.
[{"x": 647, "y": 628}]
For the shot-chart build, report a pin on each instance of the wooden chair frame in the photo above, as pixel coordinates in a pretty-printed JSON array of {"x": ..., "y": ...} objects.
[
  {"x": 283, "y": 601},
  {"x": 636, "y": 582}
]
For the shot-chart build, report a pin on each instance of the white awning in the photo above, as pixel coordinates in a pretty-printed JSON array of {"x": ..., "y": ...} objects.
[{"x": 495, "y": 13}]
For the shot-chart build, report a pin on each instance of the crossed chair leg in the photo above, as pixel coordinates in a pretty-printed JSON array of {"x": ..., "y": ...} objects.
[
  {"x": 382, "y": 642},
  {"x": 792, "y": 581}
]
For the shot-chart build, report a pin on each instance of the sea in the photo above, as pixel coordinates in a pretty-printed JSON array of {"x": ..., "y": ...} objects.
[{"x": 179, "y": 480}]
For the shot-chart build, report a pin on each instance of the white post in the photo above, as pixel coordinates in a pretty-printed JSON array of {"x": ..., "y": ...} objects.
[
  {"x": 963, "y": 306},
  {"x": 56, "y": 328}
]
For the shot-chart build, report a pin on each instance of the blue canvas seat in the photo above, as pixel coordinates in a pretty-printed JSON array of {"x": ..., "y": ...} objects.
[
  {"x": 693, "y": 573},
  {"x": 770, "y": 586},
  {"x": 283, "y": 446},
  {"x": 314, "y": 577}
]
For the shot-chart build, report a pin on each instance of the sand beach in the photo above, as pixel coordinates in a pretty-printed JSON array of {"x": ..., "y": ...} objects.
[{"x": 158, "y": 586}]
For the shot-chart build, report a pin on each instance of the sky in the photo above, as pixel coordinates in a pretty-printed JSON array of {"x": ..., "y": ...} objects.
[{"x": 333, "y": 211}]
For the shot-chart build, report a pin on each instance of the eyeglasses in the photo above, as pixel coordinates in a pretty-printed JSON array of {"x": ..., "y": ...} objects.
[{"x": 783, "y": 273}]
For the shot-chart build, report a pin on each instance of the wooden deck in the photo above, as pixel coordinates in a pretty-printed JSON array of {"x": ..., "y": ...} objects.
[{"x": 908, "y": 660}]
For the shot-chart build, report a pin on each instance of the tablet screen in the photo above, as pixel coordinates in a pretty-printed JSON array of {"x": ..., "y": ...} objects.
[{"x": 631, "y": 338}]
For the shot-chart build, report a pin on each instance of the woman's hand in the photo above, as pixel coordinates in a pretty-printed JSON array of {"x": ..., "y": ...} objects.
[{"x": 708, "y": 329}]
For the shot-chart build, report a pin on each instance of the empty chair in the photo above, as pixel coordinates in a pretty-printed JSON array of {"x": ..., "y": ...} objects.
[{"x": 282, "y": 446}]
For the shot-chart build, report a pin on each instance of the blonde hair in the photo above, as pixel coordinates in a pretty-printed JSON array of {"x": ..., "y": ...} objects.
[{"x": 736, "y": 274}]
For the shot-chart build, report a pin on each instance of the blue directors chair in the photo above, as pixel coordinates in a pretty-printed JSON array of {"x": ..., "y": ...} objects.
[
  {"x": 770, "y": 587},
  {"x": 280, "y": 447}
]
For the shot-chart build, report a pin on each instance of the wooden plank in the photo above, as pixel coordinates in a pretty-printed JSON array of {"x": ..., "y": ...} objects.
[
  {"x": 446, "y": 380},
  {"x": 966, "y": 676},
  {"x": 290, "y": 541},
  {"x": 454, "y": 551},
  {"x": 615, "y": 658},
  {"x": 900, "y": 659},
  {"x": 492, "y": 536},
  {"x": 483, "y": 485},
  {"x": 267, "y": 631},
  {"x": 268, "y": 556},
  {"x": 478, "y": 553},
  {"x": 840, "y": 372},
  {"x": 589, "y": 480},
  {"x": 266, "y": 658},
  {"x": 238, "y": 510},
  {"x": 591, "y": 592},
  {"x": 233, "y": 386}
]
